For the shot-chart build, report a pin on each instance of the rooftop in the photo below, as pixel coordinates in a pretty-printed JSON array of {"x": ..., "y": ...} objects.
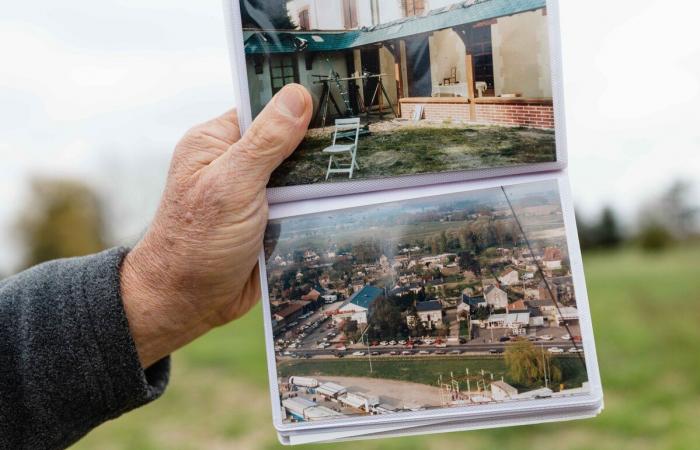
[
  {"x": 432, "y": 305},
  {"x": 366, "y": 296}
]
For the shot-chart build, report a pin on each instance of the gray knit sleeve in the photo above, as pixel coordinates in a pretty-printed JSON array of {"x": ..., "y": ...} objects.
[{"x": 67, "y": 359}]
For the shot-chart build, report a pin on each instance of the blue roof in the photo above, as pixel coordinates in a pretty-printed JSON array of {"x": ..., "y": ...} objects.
[
  {"x": 432, "y": 305},
  {"x": 366, "y": 296},
  {"x": 461, "y": 13}
]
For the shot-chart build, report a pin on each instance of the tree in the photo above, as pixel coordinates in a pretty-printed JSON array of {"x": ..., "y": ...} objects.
[
  {"x": 266, "y": 14},
  {"x": 63, "y": 218},
  {"x": 527, "y": 365},
  {"x": 608, "y": 231}
]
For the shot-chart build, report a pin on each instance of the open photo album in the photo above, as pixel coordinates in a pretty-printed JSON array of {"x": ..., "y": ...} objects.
[{"x": 421, "y": 269}]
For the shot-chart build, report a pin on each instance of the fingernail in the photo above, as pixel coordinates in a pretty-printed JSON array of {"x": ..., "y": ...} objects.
[{"x": 290, "y": 101}]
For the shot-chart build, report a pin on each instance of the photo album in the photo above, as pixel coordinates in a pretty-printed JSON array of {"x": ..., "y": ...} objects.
[{"x": 421, "y": 271}]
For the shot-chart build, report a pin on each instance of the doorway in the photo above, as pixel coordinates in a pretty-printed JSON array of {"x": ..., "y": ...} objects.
[{"x": 418, "y": 67}]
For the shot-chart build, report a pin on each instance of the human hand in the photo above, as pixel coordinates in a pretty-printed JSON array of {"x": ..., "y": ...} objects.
[{"x": 196, "y": 266}]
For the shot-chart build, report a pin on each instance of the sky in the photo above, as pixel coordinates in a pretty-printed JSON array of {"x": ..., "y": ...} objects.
[{"x": 103, "y": 91}]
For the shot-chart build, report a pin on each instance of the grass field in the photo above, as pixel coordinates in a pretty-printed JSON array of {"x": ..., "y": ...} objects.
[
  {"x": 421, "y": 149},
  {"x": 645, "y": 315},
  {"x": 425, "y": 370}
]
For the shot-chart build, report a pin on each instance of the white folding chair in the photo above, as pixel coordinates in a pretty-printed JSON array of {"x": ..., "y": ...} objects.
[{"x": 344, "y": 129}]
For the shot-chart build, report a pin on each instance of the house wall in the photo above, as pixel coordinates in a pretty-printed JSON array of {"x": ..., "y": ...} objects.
[
  {"x": 447, "y": 51},
  {"x": 521, "y": 55},
  {"x": 260, "y": 85},
  {"x": 328, "y": 14}
]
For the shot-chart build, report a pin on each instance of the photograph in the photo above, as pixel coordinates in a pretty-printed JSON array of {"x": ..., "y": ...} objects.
[
  {"x": 454, "y": 300},
  {"x": 405, "y": 87}
]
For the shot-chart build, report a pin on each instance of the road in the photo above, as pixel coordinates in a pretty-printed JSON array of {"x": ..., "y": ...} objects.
[{"x": 463, "y": 348}]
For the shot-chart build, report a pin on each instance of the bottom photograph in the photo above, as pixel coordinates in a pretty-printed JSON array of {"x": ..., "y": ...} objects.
[{"x": 455, "y": 300}]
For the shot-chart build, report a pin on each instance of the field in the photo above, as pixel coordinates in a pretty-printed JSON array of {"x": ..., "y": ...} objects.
[
  {"x": 645, "y": 315},
  {"x": 411, "y": 149},
  {"x": 425, "y": 370}
]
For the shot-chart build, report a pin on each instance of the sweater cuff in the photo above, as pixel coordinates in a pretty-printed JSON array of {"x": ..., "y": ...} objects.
[{"x": 126, "y": 384}]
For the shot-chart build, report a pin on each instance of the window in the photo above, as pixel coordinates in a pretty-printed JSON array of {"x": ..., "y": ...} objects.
[
  {"x": 350, "y": 14},
  {"x": 283, "y": 70},
  {"x": 481, "y": 50},
  {"x": 413, "y": 7},
  {"x": 304, "y": 19}
]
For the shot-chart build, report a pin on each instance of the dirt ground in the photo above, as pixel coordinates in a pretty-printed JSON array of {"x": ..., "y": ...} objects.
[
  {"x": 400, "y": 147},
  {"x": 401, "y": 394}
]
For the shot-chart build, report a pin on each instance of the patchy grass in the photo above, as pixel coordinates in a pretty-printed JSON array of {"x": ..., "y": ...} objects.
[
  {"x": 645, "y": 314},
  {"x": 424, "y": 370},
  {"x": 412, "y": 149}
]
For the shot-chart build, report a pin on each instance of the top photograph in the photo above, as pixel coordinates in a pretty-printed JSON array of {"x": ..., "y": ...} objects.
[{"x": 406, "y": 87}]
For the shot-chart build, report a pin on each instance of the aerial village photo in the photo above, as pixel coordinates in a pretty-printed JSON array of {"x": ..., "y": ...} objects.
[
  {"x": 403, "y": 87},
  {"x": 456, "y": 300}
]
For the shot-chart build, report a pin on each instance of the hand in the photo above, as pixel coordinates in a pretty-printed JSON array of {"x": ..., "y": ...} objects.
[{"x": 196, "y": 266}]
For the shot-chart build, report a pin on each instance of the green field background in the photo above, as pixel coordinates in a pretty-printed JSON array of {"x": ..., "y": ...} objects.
[{"x": 646, "y": 316}]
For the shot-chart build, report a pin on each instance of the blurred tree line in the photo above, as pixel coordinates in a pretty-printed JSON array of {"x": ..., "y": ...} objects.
[
  {"x": 662, "y": 221},
  {"x": 62, "y": 218}
]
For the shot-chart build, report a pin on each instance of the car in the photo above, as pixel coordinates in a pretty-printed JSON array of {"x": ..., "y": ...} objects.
[
  {"x": 566, "y": 337},
  {"x": 440, "y": 352},
  {"x": 392, "y": 342},
  {"x": 339, "y": 355},
  {"x": 375, "y": 353},
  {"x": 455, "y": 352},
  {"x": 402, "y": 342},
  {"x": 424, "y": 352},
  {"x": 429, "y": 341},
  {"x": 384, "y": 343},
  {"x": 545, "y": 337},
  {"x": 532, "y": 338},
  {"x": 287, "y": 353},
  {"x": 575, "y": 350},
  {"x": 462, "y": 340},
  {"x": 358, "y": 353},
  {"x": 494, "y": 351},
  {"x": 441, "y": 345},
  {"x": 503, "y": 339},
  {"x": 293, "y": 345},
  {"x": 321, "y": 345},
  {"x": 393, "y": 353},
  {"x": 555, "y": 350},
  {"x": 341, "y": 348},
  {"x": 306, "y": 355},
  {"x": 406, "y": 352}
]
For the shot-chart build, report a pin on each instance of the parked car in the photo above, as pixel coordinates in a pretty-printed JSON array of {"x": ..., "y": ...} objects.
[
  {"x": 375, "y": 353},
  {"x": 406, "y": 352},
  {"x": 402, "y": 342},
  {"x": 546, "y": 337},
  {"x": 456, "y": 352},
  {"x": 393, "y": 352},
  {"x": 358, "y": 353},
  {"x": 424, "y": 352},
  {"x": 555, "y": 350},
  {"x": 392, "y": 342},
  {"x": 494, "y": 351},
  {"x": 440, "y": 352},
  {"x": 575, "y": 350},
  {"x": 566, "y": 337},
  {"x": 503, "y": 339},
  {"x": 384, "y": 343}
]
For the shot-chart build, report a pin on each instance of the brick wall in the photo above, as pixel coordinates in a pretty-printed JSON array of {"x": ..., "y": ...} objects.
[{"x": 517, "y": 112}]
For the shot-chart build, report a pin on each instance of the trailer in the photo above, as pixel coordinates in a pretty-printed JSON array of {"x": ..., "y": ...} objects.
[{"x": 303, "y": 382}]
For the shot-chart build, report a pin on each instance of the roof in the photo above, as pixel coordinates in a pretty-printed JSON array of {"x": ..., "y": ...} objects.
[
  {"x": 331, "y": 389},
  {"x": 519, "y": 317},
  {"x": 492, "y": 287},
  {"x": 432, "y": 305},
  {"x": 320, "y": 412},
  {"x": 461, "y": 13},
  {"x": 297, "y": 404},
  {"x": 505, "y": 387},
  {"x": 290, "y": 309},
  {"x": 366, "y": 296}
]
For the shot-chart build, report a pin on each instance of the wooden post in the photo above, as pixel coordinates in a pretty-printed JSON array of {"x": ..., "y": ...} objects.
[{"x": 470, "y": 87}]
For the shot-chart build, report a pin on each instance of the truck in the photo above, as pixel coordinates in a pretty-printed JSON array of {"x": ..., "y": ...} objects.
[{"x": 303, "y": 381}]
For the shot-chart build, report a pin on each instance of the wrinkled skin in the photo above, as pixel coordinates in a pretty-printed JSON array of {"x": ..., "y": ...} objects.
[{"x": 196, "y": 266}]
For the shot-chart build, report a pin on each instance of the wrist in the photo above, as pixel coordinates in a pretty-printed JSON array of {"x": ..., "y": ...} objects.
[{"x": 158, "y": 311}]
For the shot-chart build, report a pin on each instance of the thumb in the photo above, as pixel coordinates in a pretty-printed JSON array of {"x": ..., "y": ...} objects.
[{"x": 275, "y": 133}]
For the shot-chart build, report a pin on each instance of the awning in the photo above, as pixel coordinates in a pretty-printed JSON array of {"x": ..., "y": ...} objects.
[{"x": 467, "y": 12}]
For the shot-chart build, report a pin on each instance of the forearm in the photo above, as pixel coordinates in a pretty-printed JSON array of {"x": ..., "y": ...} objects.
[{"x": 68, "y": 360}]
